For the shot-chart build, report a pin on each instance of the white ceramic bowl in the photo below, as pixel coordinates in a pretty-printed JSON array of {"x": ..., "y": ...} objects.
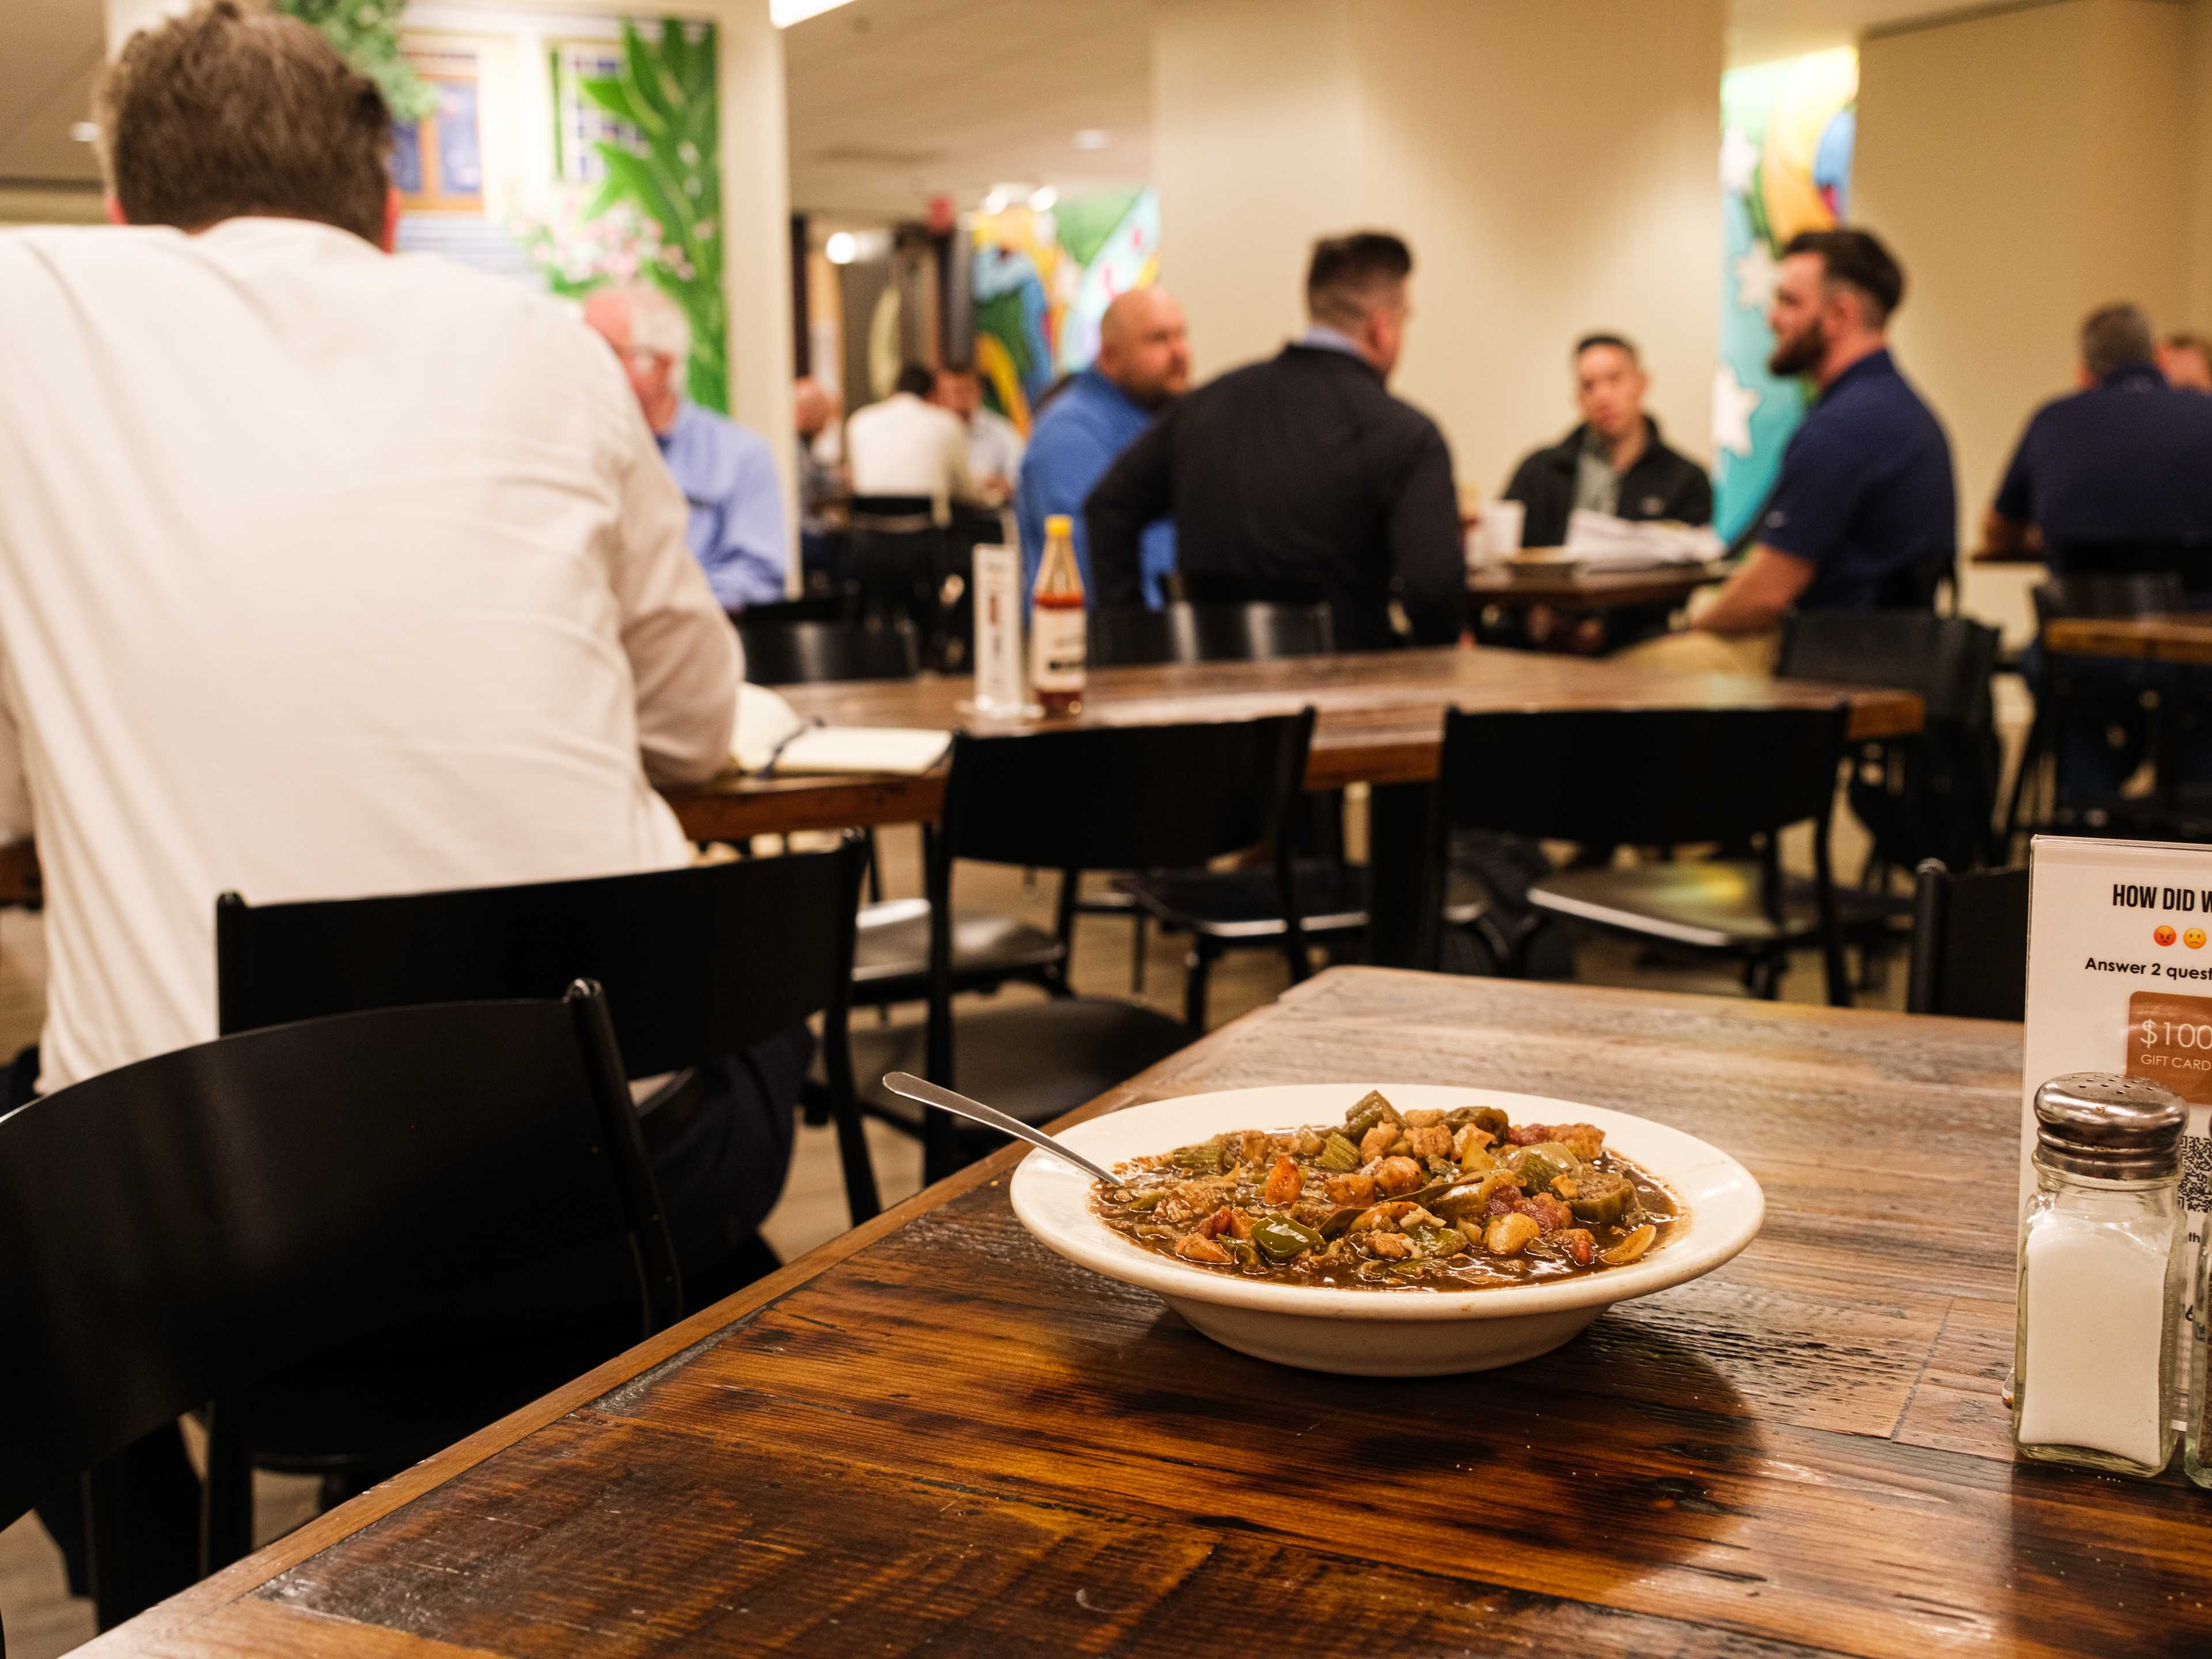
[{"x": 1397, "y": 1332}]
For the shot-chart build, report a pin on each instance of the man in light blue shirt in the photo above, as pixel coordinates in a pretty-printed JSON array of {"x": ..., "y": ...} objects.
[
  {"x": 727, "y": 474},
  {"x": 1144, "y": 362}
]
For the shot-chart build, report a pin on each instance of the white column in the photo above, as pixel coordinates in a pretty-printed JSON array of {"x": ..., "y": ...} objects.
[
  {"x": 757, "y": 231},
  {"x": 1553, "y": 166}
]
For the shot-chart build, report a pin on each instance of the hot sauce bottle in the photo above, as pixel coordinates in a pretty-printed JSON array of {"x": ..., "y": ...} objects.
[{"x": 1058, "y": 640}]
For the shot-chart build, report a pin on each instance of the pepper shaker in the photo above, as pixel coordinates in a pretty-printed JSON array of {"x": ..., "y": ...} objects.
[{"x": 2100, "y": 1266}]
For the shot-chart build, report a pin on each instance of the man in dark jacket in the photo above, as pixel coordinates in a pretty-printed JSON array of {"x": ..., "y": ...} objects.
[
  {"x": 1301, "y": 479},
  {"x": 1614, "y": 462}
]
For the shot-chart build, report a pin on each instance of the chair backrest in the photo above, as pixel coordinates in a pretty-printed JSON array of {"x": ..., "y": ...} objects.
[
  {"x": 814, "y": 607},
  {"x": 695, "y": 963},
  {"x": 1122, "y": 798},
  {"x": 2133, "y": 594},
  {"x": 1946, "y": 662},
  {"x": 1969, "y": 943},
  {"x": 1209, "y": 632},
  {"x": 175, "y": 1229},
  {"x": 811, "y": 653},
  {"x": 2188, "y": 561},
  {"x": 1641, "y": 777}
]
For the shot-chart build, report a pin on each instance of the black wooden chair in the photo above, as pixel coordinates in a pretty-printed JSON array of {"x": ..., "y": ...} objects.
[
  {"x": 171, "y": 1231},
  {"x": 1223, "y": 910},
  {"x": 840, "y": 605},
  {"x": 898, "y": 557},
  {"x": 1660, "y": 777},
  {"x": 1101, "y": 798},
  {"x": 2070, "y": 689},
  {"x": 697, "y": 963},
  {"x": 1209, "y": 632},
  {"x": 1932, "y": 795},
  {"x": 890, "y": 955},
  {"x": 1969, "y": 943},
  {"x": 807, "y": 652}
]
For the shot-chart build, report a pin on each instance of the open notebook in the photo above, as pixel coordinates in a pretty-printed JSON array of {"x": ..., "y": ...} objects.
[{"x": 771, "y": 737}]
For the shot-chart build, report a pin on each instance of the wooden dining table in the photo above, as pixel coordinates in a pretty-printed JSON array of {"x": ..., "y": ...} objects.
[
  {"x": 1578, "y": 589},
  {"x": 932, "y": 1435},
  {"x": 1379, "y": 721},
  {"x": 2177, "y": 638}
]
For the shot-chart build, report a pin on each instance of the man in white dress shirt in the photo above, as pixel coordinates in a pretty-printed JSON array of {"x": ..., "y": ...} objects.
[
  {"x": 325, "y": 572},
  {"x": 905, "y": 445}
]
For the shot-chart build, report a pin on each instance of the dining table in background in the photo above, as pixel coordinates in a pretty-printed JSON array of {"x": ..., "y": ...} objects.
[
  {"x": 932, "y": 1434},
  {"x": 1579, "y": 591},
  {"x": 2184, "y": 637},
  {"x": 1379, "y": 722}
]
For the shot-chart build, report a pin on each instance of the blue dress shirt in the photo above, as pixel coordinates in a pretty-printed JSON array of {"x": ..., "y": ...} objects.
[
  {"x": 737, "y": 532},
  {"x": 1865, "y": 491},
  {"x": 1082, "y": 433}
]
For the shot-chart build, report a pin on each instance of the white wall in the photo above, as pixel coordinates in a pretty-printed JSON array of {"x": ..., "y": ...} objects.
[
  {"x": 1553, "y": 166},
  {"x": 2026, "y": 166}
]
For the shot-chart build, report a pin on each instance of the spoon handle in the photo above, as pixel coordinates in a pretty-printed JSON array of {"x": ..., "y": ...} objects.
[{"x": 914, "y": 1088}]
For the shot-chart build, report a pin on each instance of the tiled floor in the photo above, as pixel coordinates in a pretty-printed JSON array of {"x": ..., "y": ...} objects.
[{"x": 42, "y": 1620}]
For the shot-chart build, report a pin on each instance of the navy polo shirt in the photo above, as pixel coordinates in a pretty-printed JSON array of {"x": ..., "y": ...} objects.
[
  {"x": 1865, "y": 492},
  {"x": 2128, "y": 461}
]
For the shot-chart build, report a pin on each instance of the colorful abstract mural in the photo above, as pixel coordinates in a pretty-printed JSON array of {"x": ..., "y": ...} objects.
[
  {"x": 1787, "y": 131},
  {"x": 1044, "y": 280}
]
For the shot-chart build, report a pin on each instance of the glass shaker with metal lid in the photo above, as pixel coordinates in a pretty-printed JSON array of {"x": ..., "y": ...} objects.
[{"x": 2101, "y": 1276}]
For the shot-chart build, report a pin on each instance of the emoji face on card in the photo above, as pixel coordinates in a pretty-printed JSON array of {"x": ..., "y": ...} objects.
[
  {"x": 2164, "y": 935},
  {"x": 2194, "y": 938}
]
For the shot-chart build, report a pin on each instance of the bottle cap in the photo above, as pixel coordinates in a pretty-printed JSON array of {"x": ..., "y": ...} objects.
[
  {"x": 2113, "y": 1128},
  {"x": 1059, "y": 524}
]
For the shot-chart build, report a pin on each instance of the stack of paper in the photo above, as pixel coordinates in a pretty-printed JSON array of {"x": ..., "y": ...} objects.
[
  {"x": 771, "y": 737},
  {"x": 1600, "y": 542}
]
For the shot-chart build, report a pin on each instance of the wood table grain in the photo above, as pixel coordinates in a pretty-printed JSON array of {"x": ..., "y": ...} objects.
[
  {"x": 933, "y": 1436},
  {"x": 2182, "y": 638}
]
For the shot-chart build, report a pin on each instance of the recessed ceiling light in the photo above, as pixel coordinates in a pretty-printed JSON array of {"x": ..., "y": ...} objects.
[
  {"x": 995, "y": 201},
  {"x": 1041, "y": 199},
  {"x": 784, "y": 13},
  {"x": 85, "y": 132},
  {"x": 842, "y": 248},
  {"x": 1093, "y": 138}
]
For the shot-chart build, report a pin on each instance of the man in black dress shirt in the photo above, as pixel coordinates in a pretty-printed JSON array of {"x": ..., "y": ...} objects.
[
  {"x": 1301, "y": 478},
  {"x": 1614, "y": 462}
]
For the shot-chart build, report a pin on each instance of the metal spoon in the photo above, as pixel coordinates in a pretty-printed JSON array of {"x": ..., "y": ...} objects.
[{"x": 914, "y": 1088}]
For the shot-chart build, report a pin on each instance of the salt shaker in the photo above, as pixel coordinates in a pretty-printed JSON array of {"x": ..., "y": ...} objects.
[
  {"x": 2197, "y": 1448},
  {"x": 2100, "y": 1264}
]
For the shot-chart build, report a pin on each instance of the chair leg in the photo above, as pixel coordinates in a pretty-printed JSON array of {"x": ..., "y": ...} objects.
[
  {"x": 2031, "y": 755},
  {"x": 1197, "y": 971},
  {"x": 227, "y": 1502}
]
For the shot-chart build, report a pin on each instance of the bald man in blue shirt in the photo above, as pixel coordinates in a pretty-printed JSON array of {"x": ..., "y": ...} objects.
[{"x": 1143, "y": 363}]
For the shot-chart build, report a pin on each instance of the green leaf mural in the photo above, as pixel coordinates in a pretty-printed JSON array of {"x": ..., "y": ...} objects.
[
  {"x": 366, "y": 35},
  {"x": 666, "y": 92}
]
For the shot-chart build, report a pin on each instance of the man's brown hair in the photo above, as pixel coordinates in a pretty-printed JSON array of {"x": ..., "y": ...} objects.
[
  {"x": 233, "y": 110},
  {"x": 1350, "y": 275}
]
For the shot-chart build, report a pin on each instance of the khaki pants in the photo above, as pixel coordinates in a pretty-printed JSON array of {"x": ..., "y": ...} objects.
[{"x": 1693, "y": 651}]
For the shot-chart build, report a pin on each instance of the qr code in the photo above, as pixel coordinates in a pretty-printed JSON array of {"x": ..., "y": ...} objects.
[{"x": 2197, "y": 1173}]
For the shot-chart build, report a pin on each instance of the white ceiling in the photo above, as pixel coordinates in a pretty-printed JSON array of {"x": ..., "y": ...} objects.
[
  {"x": 46, "y": 66},
  {"x": 893, "y": 101}
]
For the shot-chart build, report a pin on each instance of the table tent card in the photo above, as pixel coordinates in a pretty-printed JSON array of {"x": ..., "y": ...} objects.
[
  {"x": 1000, "y": 688},
  {"x": 2119, "y": 979}
]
